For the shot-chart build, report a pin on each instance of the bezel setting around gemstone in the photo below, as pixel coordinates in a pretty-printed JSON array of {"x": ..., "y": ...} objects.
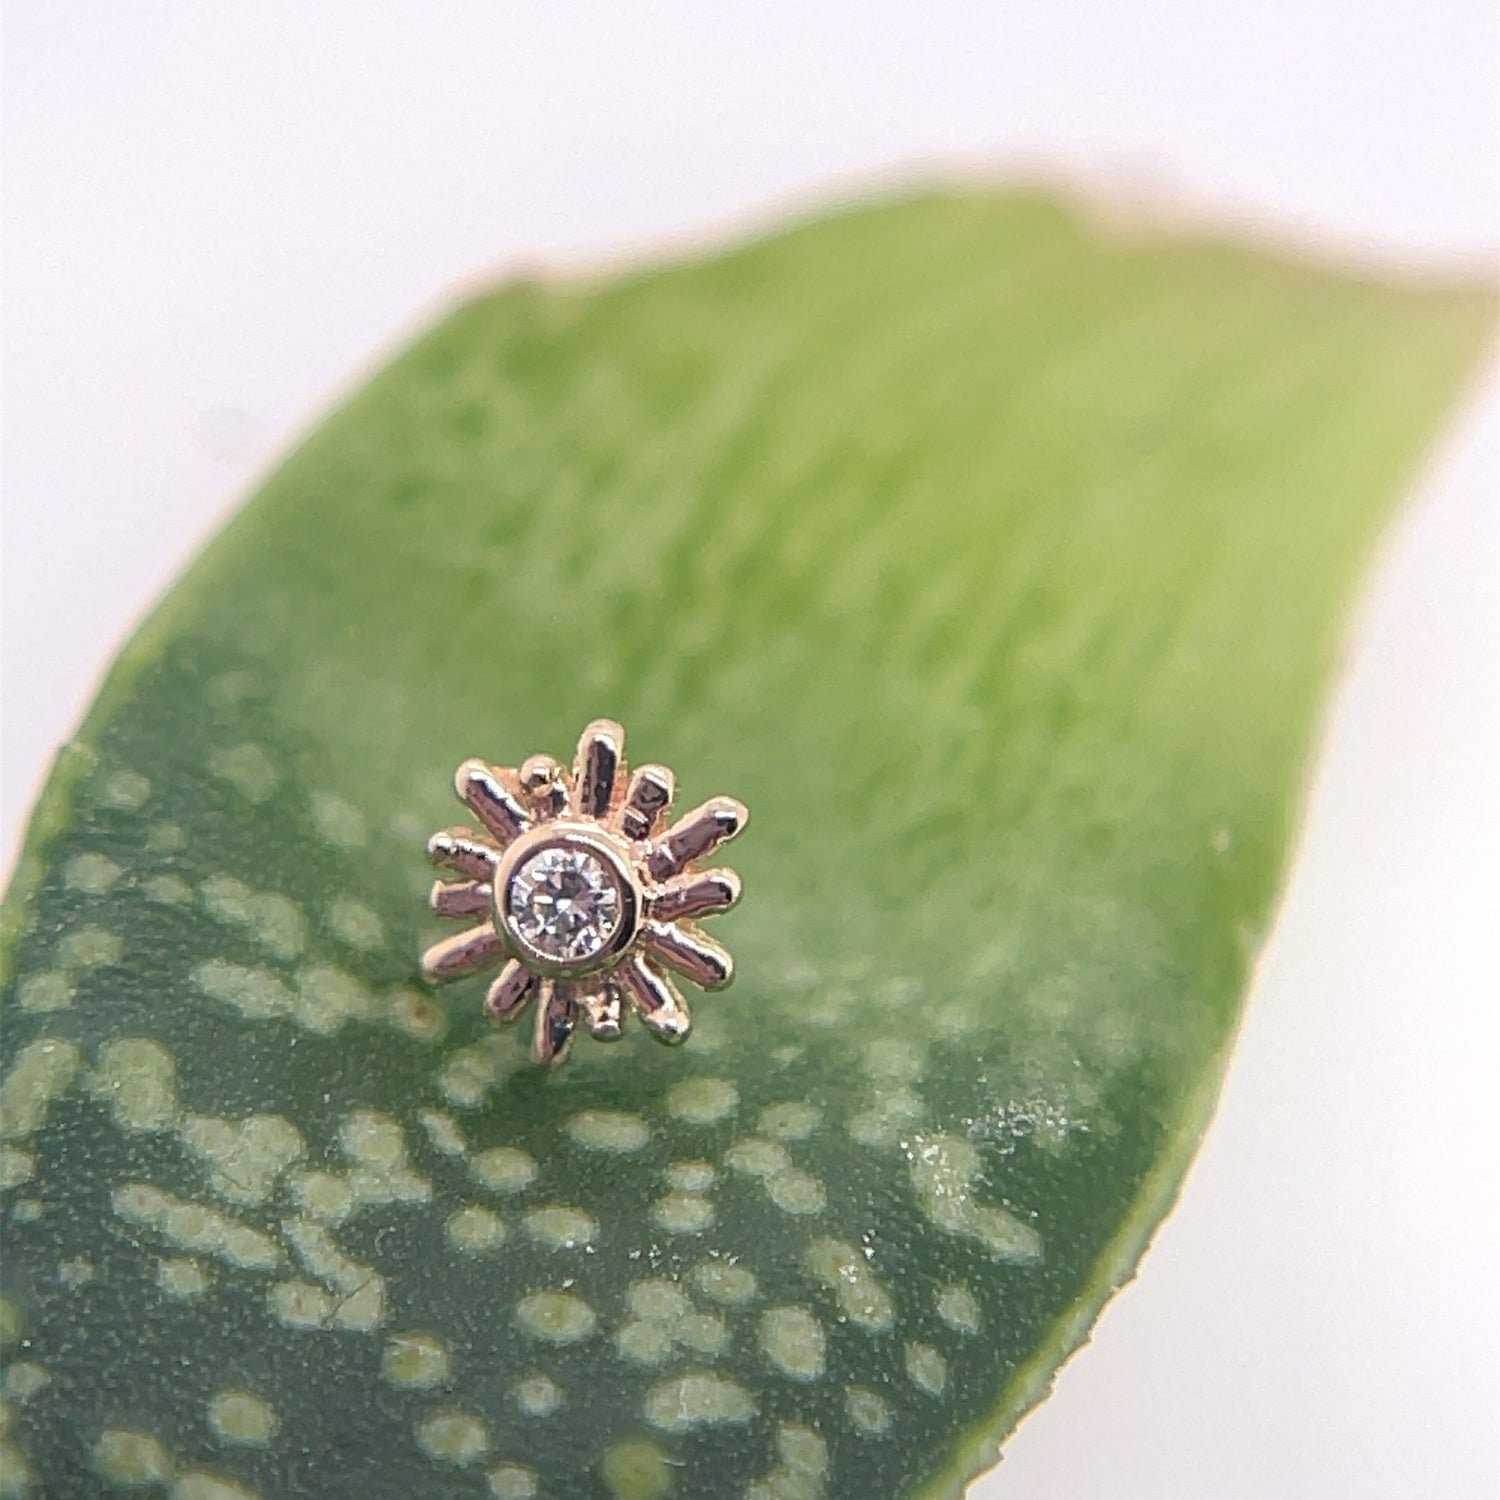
[{"x": 567, "y": 899}]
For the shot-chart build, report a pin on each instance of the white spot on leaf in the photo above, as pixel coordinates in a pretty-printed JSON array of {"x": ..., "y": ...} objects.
[
  {"x": 443, "y": 1131},
  {"x": 959, "y": 1309},
  {"x": 16, "y": 1166},
  {"x": 76, "y": 1272},
  {"x": 166, "y": 838},
  {"x": 757, "y": 1157},
  {"x": 702, "y": 1101},
  {"x": 241, "y": 1418},
  {"x": 43, "y": 1070},
  {"x": 130, "y": 1458},
  {"x": 196, "y": 1227},
  {"x": 355, "y": 924},
  {"x": 338, "y": 822},
  {"x": 537, "y": 1396},
  {"x": 512, "y": 1482},
  {"x": 91, "y": 874},
  {"x": 25, "y": 1381},
  {"x": 423, "y": 1017},
  {"x": 256, "y": 993},
  {"x": 690, "y": 1176},
  {"x": 199, "y": 1485},
  {"x": 560, "y": 1226},
  {"x": 699, "y": 1398},
  {"x": 47, "y": 990},
  {"x": 890, "y": 1115},
  {"x": 683, "y": 1213},
  {"x": 503, "y": 1169},
  {"x": 868, "y": 1413},
  {"x": 359, "y": 1290},
  {"x": 417, "y": 1361},
  {"x": 802, "y": 1470},
  {"x": 664, "y": 1318},
  {"x": 126, "y": 791},
  {"x": 926, "y": 1368},
  {"x": 300, "y": 1304},
  {"x": 271, "y": 919},
  {"x": 725, "y": 1281},
  {"x": 181, "y": 1278},
  {"x": 382, "y": 1172},
  {"x": 324, "y": 1196},
  {"x": 942, "y": 1167},
  {"x": 609, "y": 1130},
  {"x": 557, "y": 1317},
  {"x": 167, "y": 890},
  {"x": 90, "y": 948},
  {"x": 453, "y": 1436},
  {"x": 792, "y": 1339},
  {"x": 245, "y": 1157},
  {"x": 470, "y": 1075},
  {"x": 137, "y": 1077},
  {"x": 475, "y": 1230},
  {"x": 845, "y": 1271},
  {"x": 247, "y": 768},
  {"x": 328, "y": 998},
  {"x": 796, "y": 1192}
]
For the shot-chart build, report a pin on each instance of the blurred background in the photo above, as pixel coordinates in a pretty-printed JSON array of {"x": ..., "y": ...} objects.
[{"x": 217, "y": 217}]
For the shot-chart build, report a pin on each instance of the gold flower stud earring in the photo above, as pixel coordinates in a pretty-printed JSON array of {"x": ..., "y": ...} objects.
[{"x": 579, "y": 898}]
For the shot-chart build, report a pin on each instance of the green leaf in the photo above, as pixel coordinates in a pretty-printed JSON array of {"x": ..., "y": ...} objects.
[{"x": 998, "y": 560}]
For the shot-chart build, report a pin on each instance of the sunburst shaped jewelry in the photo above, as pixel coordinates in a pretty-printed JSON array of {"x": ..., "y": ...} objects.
[{"x": 581, "y": 900}]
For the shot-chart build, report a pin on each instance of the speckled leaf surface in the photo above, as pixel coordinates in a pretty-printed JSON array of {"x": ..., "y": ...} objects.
[{"x": 998, "y": 560}]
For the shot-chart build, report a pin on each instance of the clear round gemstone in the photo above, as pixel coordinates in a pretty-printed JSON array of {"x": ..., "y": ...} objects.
[{"x": 565, "y": 903}]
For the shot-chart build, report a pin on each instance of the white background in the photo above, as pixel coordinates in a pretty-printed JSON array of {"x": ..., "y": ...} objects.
[{"x": 217, "y": 215}]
